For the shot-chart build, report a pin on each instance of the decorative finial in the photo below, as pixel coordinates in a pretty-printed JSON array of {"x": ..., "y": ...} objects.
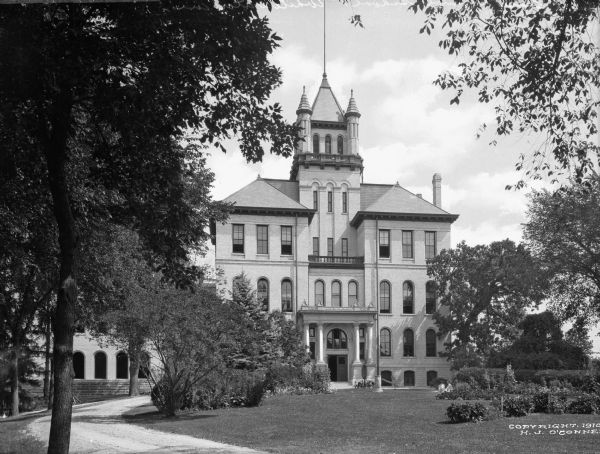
[
  {"x": 303, "y": 89},
  {"x": 258, "y": 177}
]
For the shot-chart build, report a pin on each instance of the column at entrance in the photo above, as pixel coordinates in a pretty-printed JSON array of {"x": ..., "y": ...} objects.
[
  {"x": 356, "y": 364},
  {"x": 306, "y": 334},
  {"x": 320, "y": 359},
  {"x": 369, "y": 347}
]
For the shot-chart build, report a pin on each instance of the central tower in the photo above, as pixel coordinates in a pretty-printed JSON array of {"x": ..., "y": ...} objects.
[{"x": 328, "y": 138}]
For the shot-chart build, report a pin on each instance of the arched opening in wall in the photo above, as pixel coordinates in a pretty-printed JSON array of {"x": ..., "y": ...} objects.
[
  {"x": 320, "y": 293},
  {"x": 430, "y": 343},
  {"x": 385, "y": 342},
  {"x": 100, "y": 365},
  {"x": 79, "y": 365},
  {"x": 385, "y": 297},
  {"x": 430, "y": 302},
  {"x": 327, "y": 144},
  {"x": 386, "y": 378},
  {"x": 408, "y": 298},
  {"x": 340, "y": 145},
  {"x": 409, "y": 342},
  {"x": 122, "y": 365},
  {"x": 336, "y": 294},
  {"x": 262, "y": 293},
  {"x": 144, "y": 371},
  {"x": 286, "y": 295},
  {"x": 337, "y": 339},
  {"x": 316, "y": 144},
  {"x": 431, "y": 377},
  {"x": 352, "y": 294},
  {"x": 409, "y": 378}
]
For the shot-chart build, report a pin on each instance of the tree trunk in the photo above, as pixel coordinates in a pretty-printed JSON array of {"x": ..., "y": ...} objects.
[
  {"x": 134, "y": 368},
  {"x": 51, "y": 386},
  {"x": 47, "y": 362},
  {"x": 64, "y": 317},
  {"x": 14, "y": 386}
]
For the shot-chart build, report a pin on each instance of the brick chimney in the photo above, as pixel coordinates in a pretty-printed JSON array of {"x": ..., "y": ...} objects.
[{"x": 437, "y": 190}]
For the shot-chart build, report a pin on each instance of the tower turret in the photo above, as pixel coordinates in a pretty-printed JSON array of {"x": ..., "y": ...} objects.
[
  {"x": 303, "y": 113},
  {"x": 352, "y": 115}
]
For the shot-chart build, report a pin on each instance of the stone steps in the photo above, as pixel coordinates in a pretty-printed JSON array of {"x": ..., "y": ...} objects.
[{"x": 98, "y": 389}]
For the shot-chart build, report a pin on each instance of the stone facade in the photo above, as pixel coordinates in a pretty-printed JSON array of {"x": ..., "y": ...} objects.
[{"x": 351, "y": 256}]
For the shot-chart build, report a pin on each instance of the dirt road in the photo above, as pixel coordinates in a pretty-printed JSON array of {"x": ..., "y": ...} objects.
[{"x": 99, "y": 429}]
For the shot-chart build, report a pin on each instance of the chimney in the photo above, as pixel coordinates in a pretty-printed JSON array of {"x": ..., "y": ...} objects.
[{"x": 437, "y": 190}]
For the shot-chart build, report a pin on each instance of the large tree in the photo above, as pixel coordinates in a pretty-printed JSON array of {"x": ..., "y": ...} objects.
[
  {"x": 484, "y": 291},
  {"x": 563, "y": 231},
  {"x": 537, "y": 62},
  {"x": 100, "y": 97}
]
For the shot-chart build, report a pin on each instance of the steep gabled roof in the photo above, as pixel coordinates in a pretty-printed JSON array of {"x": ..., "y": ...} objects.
[
  {"x": 289, "y": 188},
  {"x": 326, "y": 107}
]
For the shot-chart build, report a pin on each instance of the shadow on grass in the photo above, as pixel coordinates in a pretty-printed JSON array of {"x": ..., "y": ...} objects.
[{"x": 156, "y": 417}]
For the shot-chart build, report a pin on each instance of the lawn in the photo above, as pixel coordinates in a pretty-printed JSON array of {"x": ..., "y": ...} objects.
[
  {"x": 360, "y": 421},
  {"x": 14, "y": 438}
]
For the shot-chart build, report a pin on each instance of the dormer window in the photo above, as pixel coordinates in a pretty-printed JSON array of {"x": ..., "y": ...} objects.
[
  {"x": 316, "y": 144},
  {"x": 327, "y": 144},
  {"x": 340, "y": 145}
]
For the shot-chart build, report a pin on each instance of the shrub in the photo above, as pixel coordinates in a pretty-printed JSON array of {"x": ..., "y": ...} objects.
[
  {"x": 540, "y": 402},
  {"x": 466, "y": 412},
  {"x": 436, "y": 382},
  {"x": 586, "y": 404},
  {"x": 557, "y": 404},
  {"x": 517, "y": 406}
]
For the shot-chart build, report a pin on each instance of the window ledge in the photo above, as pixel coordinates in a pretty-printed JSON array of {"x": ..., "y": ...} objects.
[{"x": 238, "y": 254}]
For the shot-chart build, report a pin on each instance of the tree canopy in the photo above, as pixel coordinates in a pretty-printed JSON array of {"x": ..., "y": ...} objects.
[
  {"x": 538, "y": 63},
  {"x": 484, "y": 291}
]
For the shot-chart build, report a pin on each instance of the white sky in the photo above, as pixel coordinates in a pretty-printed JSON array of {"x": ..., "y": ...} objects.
[{"x": 408, "y": 130}]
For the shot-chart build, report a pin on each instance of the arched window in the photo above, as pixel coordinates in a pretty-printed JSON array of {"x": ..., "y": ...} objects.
[
  {"x": 144, "y": 371},
  {"x": 431, "y": 377},
  {"x": 385, "y": 342},
  {"x": 352, "y": 294},
  {"x": 340, "y": 145},
  {"x": 327, "y": 144},
  {"x": 430, "y": 343},
  {"x": 100, "y": 365},
  {"x": 408, "y": 298},
  {"x": 336, "y": 338},
  {"x": 319, "y": 293},
  {"x": 385, "y": 297},
  {"x": 79, "y": 365},
  {"x": 316, "y": 143},
  {"x": 409, "y": 378},
  {"x": 409, "y": 342},
  {"x": 286, "y": 295},
  {"x": 122, "y": 365},
  {"x": 336, "y": 294},
  {"x": 430, "y": 297},
  {"x": 386, "y": 378},
  {"x": 262, "y": 293}
]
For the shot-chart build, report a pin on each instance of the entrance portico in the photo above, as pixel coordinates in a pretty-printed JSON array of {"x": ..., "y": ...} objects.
[{"x": 342, "y": 338}]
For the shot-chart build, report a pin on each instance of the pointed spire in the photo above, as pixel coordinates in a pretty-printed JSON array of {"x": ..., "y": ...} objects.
[
  {"x": 325, "y": 82},
  {"x": 352, "y": 109},
  {"x": 304, "y": 106}
]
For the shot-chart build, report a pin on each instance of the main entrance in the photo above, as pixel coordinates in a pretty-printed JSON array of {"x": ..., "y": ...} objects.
[{"x": 338, "y": 367}]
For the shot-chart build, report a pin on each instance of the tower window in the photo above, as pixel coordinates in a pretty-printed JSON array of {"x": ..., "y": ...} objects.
[
  {"x": 316, "y": 144},
  {"x": 329, "y": 201},
  {"x": 344, "y": 202},
  {"x": 327, "y": 144},
  {"x": 340, "y": 145},
  {"x": 315, "y": 200}
]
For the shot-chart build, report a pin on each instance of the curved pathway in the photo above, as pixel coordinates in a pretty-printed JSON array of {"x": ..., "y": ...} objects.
[{"x": 99, "y": 429}]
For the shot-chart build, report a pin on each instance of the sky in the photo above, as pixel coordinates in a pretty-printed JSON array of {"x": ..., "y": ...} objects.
[{"x": 408, "y": 129}]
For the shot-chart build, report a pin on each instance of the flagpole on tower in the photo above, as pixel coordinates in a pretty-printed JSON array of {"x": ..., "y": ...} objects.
[{"x": 324, "y": 38}]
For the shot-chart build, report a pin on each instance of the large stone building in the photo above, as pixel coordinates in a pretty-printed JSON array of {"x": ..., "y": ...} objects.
[{"x": 345, "y": 259}]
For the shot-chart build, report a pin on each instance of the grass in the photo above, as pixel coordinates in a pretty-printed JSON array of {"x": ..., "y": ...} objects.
[
  {"x": 359, "y": 421},
  {"x": 14, "y": 438}
]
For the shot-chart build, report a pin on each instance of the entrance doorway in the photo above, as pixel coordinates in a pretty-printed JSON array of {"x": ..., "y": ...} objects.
[{"x": 338, "y": 367}]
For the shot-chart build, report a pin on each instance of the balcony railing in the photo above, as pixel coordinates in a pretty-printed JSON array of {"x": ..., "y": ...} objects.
[
  {"x": 357, "y": 308},
  {"x": 325, "y": 261},
  {"x": 323, "y": 159}
]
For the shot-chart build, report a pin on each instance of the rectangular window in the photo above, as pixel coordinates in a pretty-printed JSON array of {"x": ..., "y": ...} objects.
[
  {"x": 344, "y": 247},
  {"x": 384, "y": 243},
  {"x": 316, "y": 200},
  {"x": 315, "y": 245},
  {"x": 344, "y": 202},
  {"x": 430, "y": 249},
  {"x": 286, "y": 240},
  {"x": 238, "y": 238},
  {"x": 262, "y": 239},
  {"x": 330, "y": 247},
  {"x": 407, "y": 244},
  {"x": 312, "y": 348},
  {"x": 329, "y": 201}
]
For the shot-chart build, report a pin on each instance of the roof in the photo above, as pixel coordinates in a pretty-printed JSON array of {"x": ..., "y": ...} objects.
[
  {"x": 277, "y": 197},
  {"x": 326, "y": 107},
  {"x": 393, "y": 201}
]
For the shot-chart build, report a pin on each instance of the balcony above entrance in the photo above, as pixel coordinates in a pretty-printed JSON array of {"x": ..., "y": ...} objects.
[
  {"x": 335, "y": 261},
  {"x": 330, "y": 314}
]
